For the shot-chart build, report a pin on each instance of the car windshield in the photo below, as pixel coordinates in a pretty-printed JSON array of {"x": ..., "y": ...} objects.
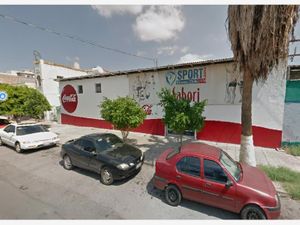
[
  {"x": 108, "y": 141},
  {"x": 23, "y": 130},
  {"x": 231, "y": 166}
]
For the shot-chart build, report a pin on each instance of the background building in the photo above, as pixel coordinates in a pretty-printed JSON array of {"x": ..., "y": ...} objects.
[
  {"x": 214, "y": 80},
  {"x": 18, "y": 78},
  {"x": 291, "y": 123},
  {"x": 46, "y": 74}
]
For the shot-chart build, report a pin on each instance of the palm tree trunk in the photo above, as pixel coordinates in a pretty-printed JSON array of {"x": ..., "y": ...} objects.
[{"x": 247, "y": 153}]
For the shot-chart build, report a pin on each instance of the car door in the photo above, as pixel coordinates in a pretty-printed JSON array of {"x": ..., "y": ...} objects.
[
  {"x": 215, "y": 190},
  {"x": 188, "y": 177},
  {"x": 8, "y": 135},
  {"x": 86, "y": 153}
]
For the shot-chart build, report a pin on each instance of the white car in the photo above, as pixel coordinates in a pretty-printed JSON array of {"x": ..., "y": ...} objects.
[{"x": 27, "y": 136}]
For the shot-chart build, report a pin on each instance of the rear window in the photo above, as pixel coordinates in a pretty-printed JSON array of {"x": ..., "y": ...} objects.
[{"x": 24, "y": 130}]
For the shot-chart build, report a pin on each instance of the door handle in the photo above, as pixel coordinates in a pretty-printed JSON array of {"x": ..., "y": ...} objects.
[{"x": 178, "y": 176}]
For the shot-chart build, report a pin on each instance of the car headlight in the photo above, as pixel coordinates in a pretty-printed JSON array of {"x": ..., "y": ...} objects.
[
  {"x": 123, "y": 166},
  {"x": 277, "y": 199}
]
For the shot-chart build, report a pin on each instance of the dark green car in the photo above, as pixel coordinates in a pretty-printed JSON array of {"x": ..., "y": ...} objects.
[{"x": 105, "y": 154}]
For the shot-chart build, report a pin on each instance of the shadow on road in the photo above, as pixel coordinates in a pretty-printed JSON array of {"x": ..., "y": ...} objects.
[
  {"x": 30, "y": 151},
  {"x": 154, "y": 146},
  {"x": 201, "y": 208},
  {"x": 97, "y": 176}
]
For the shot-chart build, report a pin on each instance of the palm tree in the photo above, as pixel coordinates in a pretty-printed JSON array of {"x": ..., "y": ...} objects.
[{"x": 259, "y": 36}]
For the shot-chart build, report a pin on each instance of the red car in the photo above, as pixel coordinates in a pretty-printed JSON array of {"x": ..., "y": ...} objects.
[
  {"x": 206, "y": 174},
  {"x": 3, "y": 122}
]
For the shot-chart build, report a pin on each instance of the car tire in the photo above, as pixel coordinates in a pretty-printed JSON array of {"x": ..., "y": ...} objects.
[
  {"x": 67, "y": 162},
  {"x": 173, "y": 195},
  {"x": 106, "y": 176},
  {"x": 252, "y": 212},
  {"x": 1, "y": 142},
  {"x": 18, "y": 147}
]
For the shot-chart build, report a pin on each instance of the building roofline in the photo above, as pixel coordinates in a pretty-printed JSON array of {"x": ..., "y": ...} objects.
[
  {"x": 63, "y": 66},
  {"x": 151, "y": 69}
]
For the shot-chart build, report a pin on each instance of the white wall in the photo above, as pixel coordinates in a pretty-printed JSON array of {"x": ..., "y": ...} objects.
[
  {"x": 268, "y": 97},
  {"x": 50, "y": 87},
  {"x": 89, "y": 100}
]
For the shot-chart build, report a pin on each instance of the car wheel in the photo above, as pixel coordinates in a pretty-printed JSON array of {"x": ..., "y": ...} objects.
[
  {"x": 67, "y": 162},
  {"x": 1, "y": 142},
  {"x": 173, "y": 195},
  {"x": 252, "y": 212},
  {"x": 18, "y": 147},
  {"x": 106, "y": 176}
]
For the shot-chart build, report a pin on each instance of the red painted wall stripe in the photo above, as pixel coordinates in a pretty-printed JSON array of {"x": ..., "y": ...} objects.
[
  {"x": 228, "y": 132},
  {"x": 217, "y": 131}
]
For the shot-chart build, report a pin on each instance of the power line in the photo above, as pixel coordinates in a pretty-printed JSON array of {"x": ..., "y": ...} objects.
[{"x": 76, "y": 38}]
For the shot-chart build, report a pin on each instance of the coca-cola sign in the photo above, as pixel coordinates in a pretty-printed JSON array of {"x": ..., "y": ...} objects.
[{"x": 69, "y": 98}]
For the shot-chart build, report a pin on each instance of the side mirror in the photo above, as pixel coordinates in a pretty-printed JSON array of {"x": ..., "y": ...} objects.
[
  {"x": 228, "y": 184},
  {"x": 94, "y": 153}
]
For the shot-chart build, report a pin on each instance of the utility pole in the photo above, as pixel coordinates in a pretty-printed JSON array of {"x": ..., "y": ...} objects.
[{"x": 295, "y": 49}]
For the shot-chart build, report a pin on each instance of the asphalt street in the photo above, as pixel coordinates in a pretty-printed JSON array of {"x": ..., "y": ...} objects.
[{"x": 34, "y": 185}]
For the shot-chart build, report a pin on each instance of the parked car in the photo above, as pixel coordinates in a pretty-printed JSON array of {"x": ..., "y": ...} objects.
[
  {"x": 3, "y": 121},
  {"x": 207, "y": 174},
  {"x": 105, "y": 154},
  {"x": 27, "y": 136}
]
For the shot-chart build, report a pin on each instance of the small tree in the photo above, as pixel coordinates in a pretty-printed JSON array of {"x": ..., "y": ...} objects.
[
  {"x": 124, "y": 113},
  {"x": 23, "y": 101},
  {"x": 181, "y": 114}
]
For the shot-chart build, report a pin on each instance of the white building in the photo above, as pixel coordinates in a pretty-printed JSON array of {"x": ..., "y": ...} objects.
[
  {"x": 214, "y": 80},
  {"x": 291, "y": 121},
  {"x": 46, "y": 73}
]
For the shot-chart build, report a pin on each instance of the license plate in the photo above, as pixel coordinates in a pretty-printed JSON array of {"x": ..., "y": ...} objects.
[{"x": 138, "y": 165}]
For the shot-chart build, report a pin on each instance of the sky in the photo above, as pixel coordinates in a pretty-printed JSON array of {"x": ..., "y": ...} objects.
[{"x": 170, "y": 34}]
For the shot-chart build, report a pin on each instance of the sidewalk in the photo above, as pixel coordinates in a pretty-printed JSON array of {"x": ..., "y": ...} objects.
[{"x": 153, "y": 146}]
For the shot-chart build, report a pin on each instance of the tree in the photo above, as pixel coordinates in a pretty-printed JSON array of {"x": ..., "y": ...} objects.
[
  {"x": 124, "y": 113},
  {"x": 259, "y": 36},
  {"x": 23, "y": 101},
  {"x": 181, "y": 114}
]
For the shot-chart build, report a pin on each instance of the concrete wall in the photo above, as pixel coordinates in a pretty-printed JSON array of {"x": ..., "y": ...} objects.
[
  {"x": 48, "y": 73},
  {"x": 218, "y": 83},
  {"x": 291, "y": 124},
  {"x": 89, "y": 100}
]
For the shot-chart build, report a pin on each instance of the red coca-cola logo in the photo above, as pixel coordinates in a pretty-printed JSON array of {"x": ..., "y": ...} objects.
[{"x": 69, "y": 98}]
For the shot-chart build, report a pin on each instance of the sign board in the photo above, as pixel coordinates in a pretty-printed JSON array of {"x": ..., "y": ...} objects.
[
  {"x": 69, "y": 99},
  {"x": 3, "y": 96}
]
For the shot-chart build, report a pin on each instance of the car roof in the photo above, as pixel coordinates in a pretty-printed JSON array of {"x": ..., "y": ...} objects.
[
  {"x": 96, "y": 136},
  {"x": 202, "y": 149},
  {"x": 24, "y": 124}
]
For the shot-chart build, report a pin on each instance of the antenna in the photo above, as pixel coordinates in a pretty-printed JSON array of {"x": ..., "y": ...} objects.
[
  {"x": 295, "y": 49},
  {"x": 37, "y": 55}
]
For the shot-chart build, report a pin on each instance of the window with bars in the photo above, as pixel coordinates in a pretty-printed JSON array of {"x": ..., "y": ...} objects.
[{"x": 98, "y": 87}]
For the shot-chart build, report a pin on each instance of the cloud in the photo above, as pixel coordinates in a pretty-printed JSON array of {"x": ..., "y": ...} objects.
[
  {"x": 193, "y": 58},
  {"x": 169, "y": 50},
  {"x": 72, "y": 59},
  {"x": 159, "y": 23},
  {"x": 109, "y": 10},
  {"x": 185, "y": 49}
]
